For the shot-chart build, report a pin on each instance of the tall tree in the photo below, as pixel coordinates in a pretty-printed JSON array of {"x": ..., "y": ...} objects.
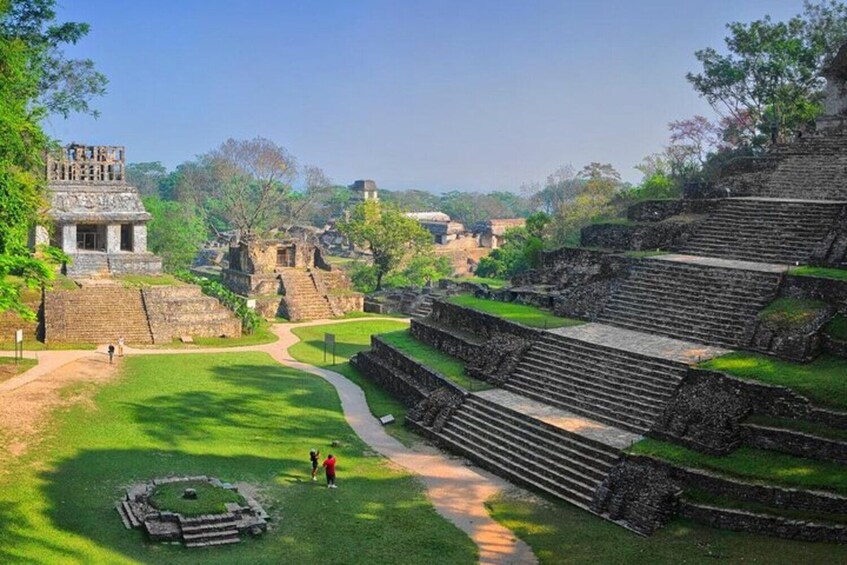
[
  {"x": 147, "y": 177},
  {"x": 175, "y": 233},
  {"x": 387, "y": 233}
]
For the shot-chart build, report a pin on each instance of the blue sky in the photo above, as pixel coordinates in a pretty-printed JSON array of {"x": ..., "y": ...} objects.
[{"x": 439, "y": 95}]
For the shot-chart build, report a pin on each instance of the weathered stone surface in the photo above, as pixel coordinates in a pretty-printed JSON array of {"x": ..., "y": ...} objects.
[{"x": 795, "y": 443}]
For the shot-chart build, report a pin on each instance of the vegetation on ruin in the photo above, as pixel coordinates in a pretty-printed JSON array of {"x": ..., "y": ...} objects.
[
  {"x": 836, "y": 328},
  {"x": 821, "y": 381},
  {"x": 235, "y": 416},
  {"x": 792, "y": 312},
  {"x": 820, "y": 272},
  {"x": 141, "y": 280},
  {"x": 351, "y": 338},
  {"x": 250, "y": 319},
  {"x": 210, "y": 499},
  {"x": 520, "y": 251},
  {"x": 9, "y": 368},
  {"x": 531, "y": 316},
  {"x": 805, "y": 426},
  {"x": 490, "y": 282},
  {"x": 704, "y": 497},
  {"x": 562, "y": 533},
  {"x": 448, "y": 366},
  {"x": 753, "y": 464},
  {"x": 175, "y": 232}
]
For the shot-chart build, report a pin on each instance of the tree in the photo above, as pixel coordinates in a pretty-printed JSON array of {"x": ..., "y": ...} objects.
[
  {"x": 521, "y": 249},
  {"x": 769, "y": 79},
  {"x": 147, "y": 177},
  {"x": 175, "y": 233},
  {"x": 252, "y": 178},
  {"x": 300, "y": 207},
  {"x": 599, "y": 183},
  {"x": 387, "y": 233},
  {"x": 561, "y": 187}
]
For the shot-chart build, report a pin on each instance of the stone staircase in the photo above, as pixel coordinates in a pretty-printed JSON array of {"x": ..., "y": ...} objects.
[
  {"x": 529, "y": 451},
  {"x": 91, "y": 264},
  {"x": 423, "y": 307},
  {"x": 181, "y": 310},
  {"x": 302, "y": 299},
  {"x": 603, "y": 383},
  {"x": 96, "y": 314},
  {"x": 764, "y": 230},
  {"x": 692, "y": 301},
  {"x": 811, "y": 168},
  {"x": 205, "y": 531}
]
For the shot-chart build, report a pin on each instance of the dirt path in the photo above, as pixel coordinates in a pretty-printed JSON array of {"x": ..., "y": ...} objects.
[{"x": 457, "y": 491}]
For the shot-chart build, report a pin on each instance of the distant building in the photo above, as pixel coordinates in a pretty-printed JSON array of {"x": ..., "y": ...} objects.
[
  {"x": 491, "y": 231},
  {"x": 364, "y": 190},
  {"x": 98, "y": 219}
]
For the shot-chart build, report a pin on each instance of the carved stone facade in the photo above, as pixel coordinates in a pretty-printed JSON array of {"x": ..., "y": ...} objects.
[{"x": 98, "y": 219}]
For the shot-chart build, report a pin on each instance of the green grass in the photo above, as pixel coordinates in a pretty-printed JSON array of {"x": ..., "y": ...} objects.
[
  {"x": 821, "y": 272},
  {"x": 450, "y": 367},
  {"x": 805, "y": 426},
  {"x": 236, "y": 416},
  {"x": 137, "y": 281},
  {"x": 350, "y": 338},
  {"x": 704, "y": 497},
  {"x": 792, "y": 312},
  {"x": 837, "y": 328},
  {"x": 34, "y": 345},
  {"x": 645, "y": 254},
  {"x": 521, "y": 313},
  {"x": 822, "y": 381},
  {"x": 210, "y": 499},
  {"x": 260, "y": 336},
  {"x": 9, "y": 369},
  {"x": 754, "y": 464},
  {"x": 491, "y": 282},
  {"x": 563, "y": 534}
]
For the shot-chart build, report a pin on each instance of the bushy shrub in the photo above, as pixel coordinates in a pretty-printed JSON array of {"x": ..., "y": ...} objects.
[{"x": 250, "y": 319}]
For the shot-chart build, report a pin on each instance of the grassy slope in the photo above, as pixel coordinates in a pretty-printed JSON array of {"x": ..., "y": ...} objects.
[
  {"x": 9, "y": 369},
  {"x": 822, "y": 381},
  {"x": 210, "y": 499},
  {"x": 560, "y": 533},
  {"x": 520, "y": 313},
  {"x": 237, "y": 416},
  {"x": 450, "y": 367},
  {"x": 821, "y": 272},
  {"x": 261, "y": 336},
  {"x": 350, "y": 338},
  {"x": 754, "y": 464},
  {"x": 792, "y": 312}
]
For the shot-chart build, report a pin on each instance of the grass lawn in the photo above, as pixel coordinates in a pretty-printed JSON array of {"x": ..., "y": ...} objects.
[
  {"x": 235, "y": 416},
  {"x": 350, "y": 338},
  {"x": 261, "y": 336},
  {"x": 138, "y": 281},
  {"x": 33, "y": 345},
  {"x": 837, "y": 328},
  {"x": 814, "y": 428},
  {"x": 754, "y": 464},
  {"x": 520, "y": 313},
  {"x": 792, "y": 312},
  {"x": 822, "y": 381},
  {"x": 821, "y": 272},
  {"x": 9, "y": 369},
  {"x": 563, "y": 534},
  {"x": 450, "y": 367},
  {"x": 210, "y": 499},
  {"x": 492, "y": 283}
]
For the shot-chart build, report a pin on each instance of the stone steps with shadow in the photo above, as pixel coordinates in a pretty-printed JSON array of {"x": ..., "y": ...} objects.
[
  {"x": 96, "y": 314},
  {"x": 302, "y": 298},
  {"x": 204, "y": 531},
  {"x": 620, "y": 388},
  {"x": 698, "y": 302},
  {"x": 497, "y": 431},
  {"x": 764, "y": 230}
]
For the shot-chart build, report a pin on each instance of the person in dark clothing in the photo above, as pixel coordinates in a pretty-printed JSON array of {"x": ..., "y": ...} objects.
[
  {"x": 111, "y": 351},
  {"x": 329, "y": 466},
  {"x": 313, "y": 456}
]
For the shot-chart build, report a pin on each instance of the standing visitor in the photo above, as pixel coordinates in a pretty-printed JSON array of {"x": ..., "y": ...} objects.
[
  {"x": 329, "y": 465},
  {"x": 313, "y": 455},
  {"x": 111, "y": 351},
  {"x": 121, "y": 346}
]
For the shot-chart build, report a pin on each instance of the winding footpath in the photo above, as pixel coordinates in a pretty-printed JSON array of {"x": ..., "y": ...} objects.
[{"x": 457, "y": 492}]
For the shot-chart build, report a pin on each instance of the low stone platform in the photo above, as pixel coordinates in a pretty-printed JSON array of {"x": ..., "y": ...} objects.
[
  {"x": 568, "y": 421},
  {"x": 722, "y": 263},
  {"x": 652, "y": 345}
]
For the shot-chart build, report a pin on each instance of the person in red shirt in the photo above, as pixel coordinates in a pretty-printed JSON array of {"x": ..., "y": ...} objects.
[{"x": 329, "y": 466}]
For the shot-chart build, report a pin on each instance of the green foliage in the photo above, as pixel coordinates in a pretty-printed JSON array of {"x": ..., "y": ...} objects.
[
  {"x": 520, "y": 313},
  {"x": 250, "y": 319},
  {"x": 363, "y": 277},
  {"x": 821, "y": 272},
  {"x": 821, "y": 381},
  {"x": 792, "y": 312},
  {"x": 147, "y": 177},
  {"x": 520, "y": 251},
  {"x": 837, "y": 328},
  {"x": 449, "y": 367},
  {"x": 770, "y": 74},
  {"x": 593, "y": 202},
  {"x": 390, "y": 236},
  {"x": 420, "y": 270},
  {"x": 210, "y": 499},
  {"x": 657, "y": 186},
  {"x": 176, "y": 232},
  {"x": 756, "y": 464}
]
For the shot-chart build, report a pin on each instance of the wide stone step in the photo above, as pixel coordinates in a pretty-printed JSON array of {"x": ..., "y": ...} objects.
[
  {"x": 707, "y": 338},
  {"x": 209, "y": 535},
  {"x": 718, "y": 305},
  {"x": 213, "y": 542},
  {"x": 674, "y": 318}
]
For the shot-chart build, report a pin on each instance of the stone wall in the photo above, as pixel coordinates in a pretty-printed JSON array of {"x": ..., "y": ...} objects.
[
  {"x": 665, "y": 235},
  {"x": 795, "y": 443},
  {"x": 445, "y": 339},
  {"x": 134, "y": 263},
  {"x": 483, "y": 325},
  {"x": 183, "y": 310},
  {"x": 800, "y": 343},
  {"x": 658, "y": 210}
]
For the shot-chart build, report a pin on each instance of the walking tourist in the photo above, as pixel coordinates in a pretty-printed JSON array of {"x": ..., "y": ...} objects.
[
  {"x": 111, "y": 351},
  {"x": 329, "y": 465},
  {"x": 121, "y": 346},
  {"x": 314, "y": 455}
]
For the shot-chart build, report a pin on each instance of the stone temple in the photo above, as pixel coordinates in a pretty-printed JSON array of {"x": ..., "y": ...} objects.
[{"x": 98, "y": 219}]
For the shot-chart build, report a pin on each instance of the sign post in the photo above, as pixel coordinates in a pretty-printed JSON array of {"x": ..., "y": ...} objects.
[
  {"x": 19, "y": 343},
  {"x": 329, "y": 343}
]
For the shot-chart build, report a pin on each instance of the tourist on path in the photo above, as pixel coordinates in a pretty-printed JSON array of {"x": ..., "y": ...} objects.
[
  {"x": 329, "y": 465},
  {"x": 313, "y": 456},
  {"x": 120, "y": 346},
  {"x": 111, "y": 351}
]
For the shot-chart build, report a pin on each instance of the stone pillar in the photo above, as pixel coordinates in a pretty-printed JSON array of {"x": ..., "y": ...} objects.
[
  {"x": 39, "y": 236},
  {"x": 113, "y": 238},
  {"x": 139, "y": 238},
  {"x": 69, "y": 238}
]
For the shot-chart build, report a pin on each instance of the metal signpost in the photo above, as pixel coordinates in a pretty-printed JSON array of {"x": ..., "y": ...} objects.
[
  {"x": 329, "y": 343},
  {"x": 19, "y": 343}
]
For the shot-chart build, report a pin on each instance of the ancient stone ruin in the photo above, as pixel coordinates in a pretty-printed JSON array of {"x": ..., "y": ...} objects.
[
  {"x": 98, "y": 219},
  {"x": 289, "y": 278},
  {"x": 138, "y": 511}
]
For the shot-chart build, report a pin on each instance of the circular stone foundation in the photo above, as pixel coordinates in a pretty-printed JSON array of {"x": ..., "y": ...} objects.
[{"x": 198, "y": 511}]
